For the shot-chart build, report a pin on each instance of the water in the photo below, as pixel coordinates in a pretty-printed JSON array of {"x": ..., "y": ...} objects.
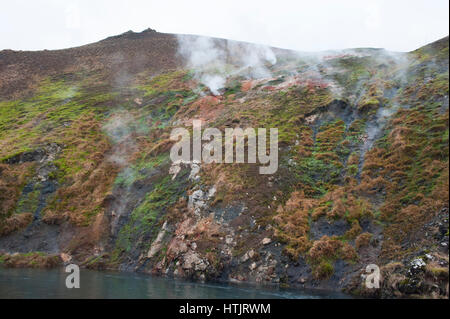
[{"x": 42, "y": 283}]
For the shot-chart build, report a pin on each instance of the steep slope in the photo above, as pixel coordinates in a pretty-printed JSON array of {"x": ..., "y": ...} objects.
[
  {"x": 113, "y": 60},
  {"x": 85, "y": 173}
]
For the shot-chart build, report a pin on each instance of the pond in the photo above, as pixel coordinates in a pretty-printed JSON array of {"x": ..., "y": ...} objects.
[{"x": 44, "y": 283}]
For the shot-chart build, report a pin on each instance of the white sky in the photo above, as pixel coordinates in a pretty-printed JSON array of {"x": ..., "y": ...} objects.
[{"x": 311, "y": 25}]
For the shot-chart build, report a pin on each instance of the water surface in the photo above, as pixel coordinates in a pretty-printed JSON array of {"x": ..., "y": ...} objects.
[{"x": 44, "y": 283}]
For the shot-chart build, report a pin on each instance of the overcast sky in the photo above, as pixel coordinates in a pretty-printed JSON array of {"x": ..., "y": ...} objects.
[{"x": 313, "y": 25}]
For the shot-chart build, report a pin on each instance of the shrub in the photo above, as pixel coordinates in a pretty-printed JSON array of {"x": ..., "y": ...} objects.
[{"x": 363, "y": 240}]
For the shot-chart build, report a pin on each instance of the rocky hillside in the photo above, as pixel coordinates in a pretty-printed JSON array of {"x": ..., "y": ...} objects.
[{"x": 86, "y": 178}]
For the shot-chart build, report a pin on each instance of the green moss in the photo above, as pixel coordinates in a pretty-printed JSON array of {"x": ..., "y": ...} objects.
[
  {"x": 139, "y": 169},
  {"x": 233, "y": 87},
  {"x": 28, "y": 203},
  {"x": 323, "y": 270},
  {"x": 45, "y": 115},
  {"x": 143, "y": 224},
  {"x": 160, "y": 83}
]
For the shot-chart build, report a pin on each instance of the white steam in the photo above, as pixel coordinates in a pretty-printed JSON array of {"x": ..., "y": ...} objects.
[
  {"x": 214, "y": 61},
  {"x": 120, "y": 129}
]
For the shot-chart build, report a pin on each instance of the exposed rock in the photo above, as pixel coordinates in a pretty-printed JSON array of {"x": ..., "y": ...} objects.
[
  {"x": 248, "y": 255},
  {"x": 157, "y": 243},
  {"x": 193, "y": 261},
  {"x": 325, "y": 227},
  {"x": 417, "y": 264},
  {"x": 195, "y": 170},
  {"x": 197, "y": 201},
  {"x": 177, "y": 247},
  {"x": 174, "y": 170},
  {"x": 211, "y": 192},
  {"x": 66, "y": 258}
]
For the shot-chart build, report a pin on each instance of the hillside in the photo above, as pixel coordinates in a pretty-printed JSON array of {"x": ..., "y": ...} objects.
[{"x": 85, "y": 173}]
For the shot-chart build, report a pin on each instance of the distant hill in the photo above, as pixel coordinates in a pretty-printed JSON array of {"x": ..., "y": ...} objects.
[{"x": 362, "y": 178}]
